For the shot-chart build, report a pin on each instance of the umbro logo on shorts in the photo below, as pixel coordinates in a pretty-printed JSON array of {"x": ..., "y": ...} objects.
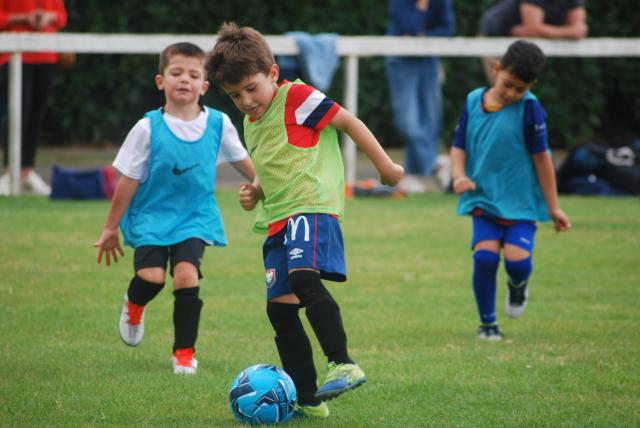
[
  {"x": 180, "y": 171},
  {"x": 296, "y": 253}
]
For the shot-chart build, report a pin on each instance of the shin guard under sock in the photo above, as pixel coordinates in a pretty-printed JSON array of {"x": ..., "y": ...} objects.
[
  {"x": 142, "y": 291},
  {"x": 186, "y": 317},
  {"x": 485, "y": 267},
  {"x": 294, "y": 349},
  {"x": 323, "y": 314},
  {"x": 518, "y": 270}
]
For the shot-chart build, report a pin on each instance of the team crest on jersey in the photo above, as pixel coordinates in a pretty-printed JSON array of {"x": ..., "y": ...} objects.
[{"x": 271, "y": 277}]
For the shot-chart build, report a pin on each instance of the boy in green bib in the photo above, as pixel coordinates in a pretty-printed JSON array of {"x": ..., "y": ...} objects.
[{"x": 290, "y": 133}]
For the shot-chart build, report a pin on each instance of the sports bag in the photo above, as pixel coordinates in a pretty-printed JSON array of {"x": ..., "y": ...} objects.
[{"x": 96, "y": 183}]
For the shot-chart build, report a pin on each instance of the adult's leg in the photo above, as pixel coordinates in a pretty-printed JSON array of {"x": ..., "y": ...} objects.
[
  {"x": 430, "y": 104},
  {"x": 4, "y": 99},
  {"x": 403, "y": 76},
  {"x": 36, "y": 98}
]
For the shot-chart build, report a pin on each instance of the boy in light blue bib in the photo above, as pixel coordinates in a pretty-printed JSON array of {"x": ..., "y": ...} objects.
[{"x": 502, "y": 168}]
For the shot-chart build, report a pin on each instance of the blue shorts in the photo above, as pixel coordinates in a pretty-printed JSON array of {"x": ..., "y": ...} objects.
[
  {"x": 520, "y": 233},
  {"x": 312, "y": 241}
]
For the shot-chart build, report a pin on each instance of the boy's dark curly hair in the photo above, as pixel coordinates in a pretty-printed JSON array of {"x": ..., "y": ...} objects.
[
  {"x": 238, "y": 53},
  {"x": 525, "y": 60}
]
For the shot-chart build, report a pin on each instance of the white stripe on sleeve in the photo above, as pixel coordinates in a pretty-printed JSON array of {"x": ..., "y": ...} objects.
[{"x": 308, "y": 106}]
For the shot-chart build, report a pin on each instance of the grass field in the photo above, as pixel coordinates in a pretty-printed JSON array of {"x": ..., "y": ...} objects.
[{"x": 573, "y": 360}]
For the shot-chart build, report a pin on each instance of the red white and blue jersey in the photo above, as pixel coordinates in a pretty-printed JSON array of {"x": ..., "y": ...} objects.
[{"x": 307, "y": 112}]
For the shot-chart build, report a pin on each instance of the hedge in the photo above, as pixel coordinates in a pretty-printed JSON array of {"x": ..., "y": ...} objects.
[{"x": 104, "y": 95}]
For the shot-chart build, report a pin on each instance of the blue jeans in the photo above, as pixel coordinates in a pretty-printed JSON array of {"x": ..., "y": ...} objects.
[{"x": 416, "y": 104}]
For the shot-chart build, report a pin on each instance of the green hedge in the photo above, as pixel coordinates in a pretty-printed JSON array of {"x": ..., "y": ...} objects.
[{"x": 104, "y": 95}]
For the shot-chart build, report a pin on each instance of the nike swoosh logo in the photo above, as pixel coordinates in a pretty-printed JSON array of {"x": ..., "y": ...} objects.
[{"x": 179, "y": 171}]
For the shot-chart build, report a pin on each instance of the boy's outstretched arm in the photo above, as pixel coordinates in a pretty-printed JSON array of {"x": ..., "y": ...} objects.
[
  {"x": 547, "y": 178},
  {"x": 390, "y": 172},
  {"x": 245, "y": 167},
  {"x": 109, "y": 241},
  {"x": 461, "y": 183}
]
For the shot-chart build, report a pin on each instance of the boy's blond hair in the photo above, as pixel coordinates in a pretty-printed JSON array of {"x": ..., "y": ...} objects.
[
  {"x": 182, "y": 48},
  {"x": 239, "y": 52}
]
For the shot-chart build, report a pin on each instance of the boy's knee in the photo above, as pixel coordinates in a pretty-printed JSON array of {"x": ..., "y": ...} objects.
[
  {"x": 486, "y": 259},
  {"x": 283, "y": 316},
  {"x": 185, "y": 275},
  {"x": 518, "y": 270},
  {"x": 152, "y": 274},
  {"x": 307, "y": 285}
]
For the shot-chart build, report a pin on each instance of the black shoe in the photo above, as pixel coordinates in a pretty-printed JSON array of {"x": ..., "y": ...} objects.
[
  {"x": 516, "y": 300},
  {"x": 489, "y": 332}
]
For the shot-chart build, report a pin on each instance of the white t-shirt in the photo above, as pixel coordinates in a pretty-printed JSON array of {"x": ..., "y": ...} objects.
[{"x": 133, "y": 157}]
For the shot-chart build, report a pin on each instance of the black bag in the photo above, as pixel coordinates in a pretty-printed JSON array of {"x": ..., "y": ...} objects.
[{"x": 598, "y": 169}]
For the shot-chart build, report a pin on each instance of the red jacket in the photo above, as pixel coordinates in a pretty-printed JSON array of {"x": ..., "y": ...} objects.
[{"x": 9, "y": 8}]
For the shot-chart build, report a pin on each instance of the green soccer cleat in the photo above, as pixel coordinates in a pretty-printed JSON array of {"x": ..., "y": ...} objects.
[
  {"x": 320, "y": 411},
  {"x": 340, "y": 378}
]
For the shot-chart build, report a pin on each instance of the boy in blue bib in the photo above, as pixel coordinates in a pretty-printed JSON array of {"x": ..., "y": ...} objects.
[
  {"x": 164, "y": 201},
  {"x": 502, "y": 167}
]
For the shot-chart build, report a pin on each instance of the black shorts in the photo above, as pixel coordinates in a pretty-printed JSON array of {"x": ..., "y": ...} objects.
[{"x": 191, "y": 251}]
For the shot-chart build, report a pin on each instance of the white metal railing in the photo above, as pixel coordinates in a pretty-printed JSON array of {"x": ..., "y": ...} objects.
[{"x": 350, "y": 47}]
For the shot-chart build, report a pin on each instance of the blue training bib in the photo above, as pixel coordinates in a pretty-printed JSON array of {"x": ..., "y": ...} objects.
[
  {"x": 500, "y": 164},
  {"x": 177, "y": 200}
]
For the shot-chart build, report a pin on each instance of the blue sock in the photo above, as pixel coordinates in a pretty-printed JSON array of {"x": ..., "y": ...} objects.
[
  {"x": 518, "y": 270},
  {"x": 485, "y": 267}
]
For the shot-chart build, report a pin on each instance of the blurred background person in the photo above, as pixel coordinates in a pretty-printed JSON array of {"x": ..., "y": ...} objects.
[
  {"x": 38, "y": 72},
  {"x": 414, "y": 84},
  {"x": 554, "y": 19}
]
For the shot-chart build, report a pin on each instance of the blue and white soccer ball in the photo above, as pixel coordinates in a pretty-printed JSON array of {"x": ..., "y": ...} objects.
[{"x": 263, "y": 394}]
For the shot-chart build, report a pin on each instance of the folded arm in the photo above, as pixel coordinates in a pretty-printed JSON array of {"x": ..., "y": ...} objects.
[{"x": 533, "y": 25}]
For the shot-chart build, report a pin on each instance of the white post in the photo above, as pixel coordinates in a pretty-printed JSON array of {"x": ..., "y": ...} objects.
[
  {"x": 15, "y": 121},
  {"x": 351, "y": 104}
]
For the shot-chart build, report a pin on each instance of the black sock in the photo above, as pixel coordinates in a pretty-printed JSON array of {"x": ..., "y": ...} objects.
[
  {"x": 294, "y": 349},
  {"x": 142, "y": 291},
  {"x": 323, "y": 313},
  {"x": 186, "y": 317}
]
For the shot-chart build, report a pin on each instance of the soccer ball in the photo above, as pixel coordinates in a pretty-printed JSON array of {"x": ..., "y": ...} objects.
[{"x": 262, "y": 394}]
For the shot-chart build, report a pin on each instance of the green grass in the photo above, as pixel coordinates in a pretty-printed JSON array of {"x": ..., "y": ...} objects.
[{"x": 573, "y": 360}]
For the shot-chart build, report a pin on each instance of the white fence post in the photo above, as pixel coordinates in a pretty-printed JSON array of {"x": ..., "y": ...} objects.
[
  {"x": 351, "y": 104},
  {"x": 15, "y": 121}
]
